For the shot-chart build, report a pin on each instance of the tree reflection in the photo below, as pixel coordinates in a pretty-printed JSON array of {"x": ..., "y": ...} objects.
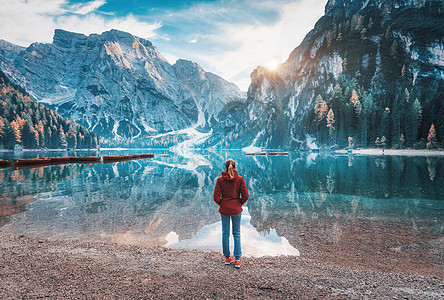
[
  {"x": 315, "y": 201},
  {"x": 18, "y": 187}
]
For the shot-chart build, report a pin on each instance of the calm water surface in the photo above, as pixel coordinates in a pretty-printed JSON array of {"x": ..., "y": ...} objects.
[{"x": 168, "y": 200}]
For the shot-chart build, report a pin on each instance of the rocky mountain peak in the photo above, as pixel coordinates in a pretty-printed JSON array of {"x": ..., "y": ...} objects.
[
  {"x": 68, "y": 40},
  {"x": 118, "y": 85},
  {"x": 63, "y": 38},
  {"x": 9, "y": 50},
  {"x": 187, "y": 69}
]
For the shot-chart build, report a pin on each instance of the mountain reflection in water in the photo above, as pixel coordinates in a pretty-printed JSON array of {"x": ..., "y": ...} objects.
[
  {"x": 253, "y": 243},
  {"x": 292, "y": 198}
]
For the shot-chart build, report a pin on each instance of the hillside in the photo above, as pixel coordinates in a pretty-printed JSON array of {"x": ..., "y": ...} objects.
[
  {"x": 25, "y": 122},
  {"x": 368, "y": 74}
]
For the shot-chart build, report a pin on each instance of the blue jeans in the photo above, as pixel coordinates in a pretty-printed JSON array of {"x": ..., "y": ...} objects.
[{"x": 236, "y": 220}]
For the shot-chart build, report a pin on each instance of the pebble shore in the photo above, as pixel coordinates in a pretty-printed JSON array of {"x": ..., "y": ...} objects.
[{"x": 40, "y": 268}]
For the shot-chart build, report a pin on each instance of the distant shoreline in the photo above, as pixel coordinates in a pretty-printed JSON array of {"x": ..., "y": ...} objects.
[
  {"x": 394, "y": 152},
  {"x": 367, "y": 151}
]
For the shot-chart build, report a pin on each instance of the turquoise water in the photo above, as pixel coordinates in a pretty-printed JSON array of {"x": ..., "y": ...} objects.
[{"x": 168, "y": 200}]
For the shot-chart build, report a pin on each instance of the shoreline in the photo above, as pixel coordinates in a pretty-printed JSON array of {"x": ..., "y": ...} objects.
[
  {"x": 36, "y": 267},
  {"x": 368, "y": 152},
  {"x": 393, "y": 152}
]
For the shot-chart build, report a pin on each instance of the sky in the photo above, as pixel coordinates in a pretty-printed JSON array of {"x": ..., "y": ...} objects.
[{"x": 226, "y": 37}]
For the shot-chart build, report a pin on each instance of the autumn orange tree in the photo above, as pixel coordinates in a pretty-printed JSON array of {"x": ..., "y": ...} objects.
[{"x": 431, "y": 138}]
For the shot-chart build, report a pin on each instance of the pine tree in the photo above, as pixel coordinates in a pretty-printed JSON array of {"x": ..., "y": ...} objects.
[
  {"x": 403, "y": 71},
  {"x": 331, "y": 124},
  {"x": 351, "y": 142},
  {"x": 396, "y": 117},
  {"x": 384, "y": 124},
  {"x": 17, "y": 135},
  {"x": 431, "y": 138},
  {"x": 35, "y": 139},
  {"x": 393, "y": 52},
  {"x": 364, "y": 122},
  {"x": 355, "y": 114},
  {"x": 402, "y": 141},
  {"x": 26, "y": 135},
  {"x": 344, "y": 64},
  {"x": 329, "y": 39},
  {"x": 2, "y": 131},
  {"x": 354, "y": 24},
  {"x": 383, "y": 142},
  {"x": 414, "y": 115},
  {"x": 378, "y": 142},
  {"x": 321, "y": 109}
]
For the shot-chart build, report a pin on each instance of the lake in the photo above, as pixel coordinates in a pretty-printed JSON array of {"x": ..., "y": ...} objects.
[{"x": 317, "y": 205}]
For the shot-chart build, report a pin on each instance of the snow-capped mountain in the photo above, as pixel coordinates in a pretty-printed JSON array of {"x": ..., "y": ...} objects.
[
  {"x": 117, "y": 84},
  {"x": 390, "y": 53}
]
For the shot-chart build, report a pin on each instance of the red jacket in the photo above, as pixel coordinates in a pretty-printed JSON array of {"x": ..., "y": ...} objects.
[{"x": 227, "y": 193}]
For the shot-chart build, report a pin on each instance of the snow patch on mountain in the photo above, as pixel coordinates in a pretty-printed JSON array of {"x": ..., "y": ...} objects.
[
  {"x": 252, "y": 147},
  {"x": 436, "y": 52}
]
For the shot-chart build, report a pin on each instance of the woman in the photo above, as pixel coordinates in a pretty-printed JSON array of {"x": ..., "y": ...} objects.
[{"x": 230, "y": 193}]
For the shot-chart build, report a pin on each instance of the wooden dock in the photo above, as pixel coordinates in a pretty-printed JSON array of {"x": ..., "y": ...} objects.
[
  {"x": 267, "y": 154},
  {"x": 46, "y": 161}
]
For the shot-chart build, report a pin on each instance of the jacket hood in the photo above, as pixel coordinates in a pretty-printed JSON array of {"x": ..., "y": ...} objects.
[{"x": 225, "y": 175}]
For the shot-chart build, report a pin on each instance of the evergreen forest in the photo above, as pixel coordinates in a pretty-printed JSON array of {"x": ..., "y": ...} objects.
[
  {"x": 25, "y": 122},
  {"x": 350, "y": 117}
]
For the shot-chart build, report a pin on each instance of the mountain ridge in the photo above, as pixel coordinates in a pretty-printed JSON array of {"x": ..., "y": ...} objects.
[
  {"x": 117, "y": 84},
  {"x": 370, "y": 48}
]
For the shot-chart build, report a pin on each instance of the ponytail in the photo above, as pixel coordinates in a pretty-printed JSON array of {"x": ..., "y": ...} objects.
[
  {"x": 230, "y": 165},
  {"x": 230, "y": 171}
]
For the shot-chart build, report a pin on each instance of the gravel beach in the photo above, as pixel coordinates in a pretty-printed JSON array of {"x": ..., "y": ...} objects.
[{"x": 37, "y": 268}]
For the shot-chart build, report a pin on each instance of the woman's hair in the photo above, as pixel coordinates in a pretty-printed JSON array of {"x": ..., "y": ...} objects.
[{"x": 230, "y": 165}]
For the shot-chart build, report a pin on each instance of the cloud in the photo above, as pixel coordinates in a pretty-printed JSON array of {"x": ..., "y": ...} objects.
[
  {"x": 171, "y": 58},
  {"x": 86, "y": 8},
  {"x": 93, "y": 23},
  {"x": 264, "y": 44},
  {"x": 227, "y": 37},
  {"x": 27, "y": 21},
  {"x": 232, "y": 38}
]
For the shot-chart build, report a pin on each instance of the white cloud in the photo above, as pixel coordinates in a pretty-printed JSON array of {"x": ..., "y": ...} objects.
[
  {"x": 260, "y": 44},
  {"x": 86, "y": 8},
  {"x": 229, "y": 38},
  {"x": 94, "y": 23},
  {"x": 23, "y": 22},
  {"x": 234, "y": 37},
  {"x": 171, "y": 58},
  {"x": 27, "y": 21}
]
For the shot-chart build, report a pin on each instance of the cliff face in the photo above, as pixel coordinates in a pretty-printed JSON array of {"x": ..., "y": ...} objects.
[
  {"x": 116, "y": 84},
  {"x": 210, "y": 92},
  {"x": 380, "y": 50}
]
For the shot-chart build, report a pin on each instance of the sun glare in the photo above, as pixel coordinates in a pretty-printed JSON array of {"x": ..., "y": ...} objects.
[{"x": 271, "y": 65}]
